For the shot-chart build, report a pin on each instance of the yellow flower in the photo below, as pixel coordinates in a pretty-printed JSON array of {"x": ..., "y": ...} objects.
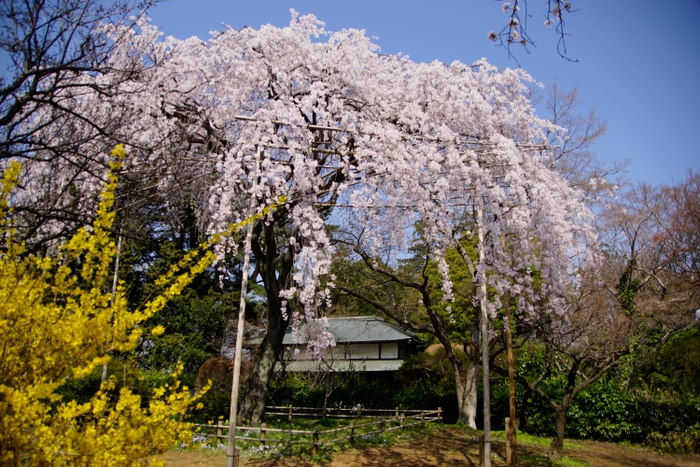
[{"x": 70, "y": 324}]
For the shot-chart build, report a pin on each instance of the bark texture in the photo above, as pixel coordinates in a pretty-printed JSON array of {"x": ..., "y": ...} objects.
[
  {"x": 274, "y": 268},
  {"x": 557, "y": 445}
]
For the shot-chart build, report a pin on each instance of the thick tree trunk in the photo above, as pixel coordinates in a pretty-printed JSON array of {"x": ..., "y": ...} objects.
[
  {"x": 274, "y": 269},
  {"x": 557, "y": 446},
  {"x": 466, "y": 383},
  {"x": 252, "y": 407}
]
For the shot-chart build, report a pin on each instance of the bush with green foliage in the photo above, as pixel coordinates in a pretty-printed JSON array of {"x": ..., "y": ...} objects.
[
  {"x": 677, "y": 441},
  {"x": 672, "y": 373},
  {"x": 605, "y": 410},
  {"x": 369, "y": 390},
  {"x": 194, "y": 324}
]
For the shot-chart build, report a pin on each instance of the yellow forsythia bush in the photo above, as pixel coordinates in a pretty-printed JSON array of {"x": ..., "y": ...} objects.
[{"x": 58, "y": 320}]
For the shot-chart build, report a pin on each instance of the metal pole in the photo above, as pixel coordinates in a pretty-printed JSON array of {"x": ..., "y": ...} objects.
[
  {"x": 484, "y": 351},
  {"x": 231, "y": 457}
]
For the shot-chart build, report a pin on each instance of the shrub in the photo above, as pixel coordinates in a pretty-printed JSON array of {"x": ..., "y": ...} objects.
[
  {"x": 603, "y": 411},
  {"x": 58, "y": 327},
  {"x": 676, "y": 441}
]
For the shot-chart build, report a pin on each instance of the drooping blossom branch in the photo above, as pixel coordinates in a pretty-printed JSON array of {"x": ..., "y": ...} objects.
[
  {"x": 327, "y": 121},
  {"x": 516, "y": 29}
]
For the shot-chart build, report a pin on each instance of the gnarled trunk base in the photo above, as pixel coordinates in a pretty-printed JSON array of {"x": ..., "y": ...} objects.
[
  {"x": 557, "y": 446},
  {"x": 252, "y": 406},
  {"x": 467, "y": 395}
]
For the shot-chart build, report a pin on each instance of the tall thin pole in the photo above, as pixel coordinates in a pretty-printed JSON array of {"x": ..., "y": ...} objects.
[
  {"x": 512, "y": 454},
  {"x": 231, "y": 458},
  {"x": 115, "y": 282},
  {"x": 484, "y": 350}
]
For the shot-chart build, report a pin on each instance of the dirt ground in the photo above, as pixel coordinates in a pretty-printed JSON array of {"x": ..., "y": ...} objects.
[{"x": 452, "y": 446}]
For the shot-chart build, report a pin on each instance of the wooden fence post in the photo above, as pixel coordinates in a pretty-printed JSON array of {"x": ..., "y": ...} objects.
[
  {"x": 359, "y": 411},
  {"x": 380, "y": 425},
  {"x": 422, "y": 418},
  {"x": 290, "y": 412},
  {"x": 397, "y": 413},
  {"x": 236, "y": 456},
  {"x": 509, "y": 448},
  {"x": 439, "y": 415},
  {"x": 352, "y": 432},
  {"x": 218, "y": 433},
  {"x": 403, "y": 421},
  {"x": 315, "y": 448},
  {"x": 481, "y": 450},
  {"x": 262, "y": 433}
]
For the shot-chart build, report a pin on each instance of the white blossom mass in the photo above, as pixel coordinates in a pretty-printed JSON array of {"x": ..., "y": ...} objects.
[{"x": 326, "y": 120}]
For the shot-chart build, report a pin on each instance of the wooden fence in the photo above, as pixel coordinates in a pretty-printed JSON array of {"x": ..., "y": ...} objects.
[
  {"x": 264, "y": 435},
  {"x": 356, "y": 412}
]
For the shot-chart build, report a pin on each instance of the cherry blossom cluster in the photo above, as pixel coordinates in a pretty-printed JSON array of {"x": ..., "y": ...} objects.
[{"x": 380, "y": 141}]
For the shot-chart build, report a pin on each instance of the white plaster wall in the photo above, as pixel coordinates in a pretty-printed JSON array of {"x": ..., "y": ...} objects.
[
  {"x": 363, "y": 351},
  {"x": 390, "y": 350}
]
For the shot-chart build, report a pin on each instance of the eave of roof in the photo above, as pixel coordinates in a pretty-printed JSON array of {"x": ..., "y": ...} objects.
[{"x": 363, "y": 329}]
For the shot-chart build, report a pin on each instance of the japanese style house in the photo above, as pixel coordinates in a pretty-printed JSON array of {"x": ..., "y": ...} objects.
[{"x": 363, "y": 343}]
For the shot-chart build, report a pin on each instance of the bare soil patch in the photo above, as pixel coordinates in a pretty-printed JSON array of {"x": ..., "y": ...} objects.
[{"x": 451, "y": 446}]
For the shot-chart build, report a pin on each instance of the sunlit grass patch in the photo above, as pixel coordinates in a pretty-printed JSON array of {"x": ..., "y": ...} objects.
[
  {"x": 525, "y": 438},
  {"x": 570, "y": 462}
]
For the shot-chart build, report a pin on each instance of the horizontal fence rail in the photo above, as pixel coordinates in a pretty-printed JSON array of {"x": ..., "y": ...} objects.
[
  {"x": 398, "y": 420},
  {"x": 329, "y": 412}
]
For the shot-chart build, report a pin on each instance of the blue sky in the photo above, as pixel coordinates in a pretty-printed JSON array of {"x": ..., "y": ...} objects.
[{"x": 639, "y": 60}]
